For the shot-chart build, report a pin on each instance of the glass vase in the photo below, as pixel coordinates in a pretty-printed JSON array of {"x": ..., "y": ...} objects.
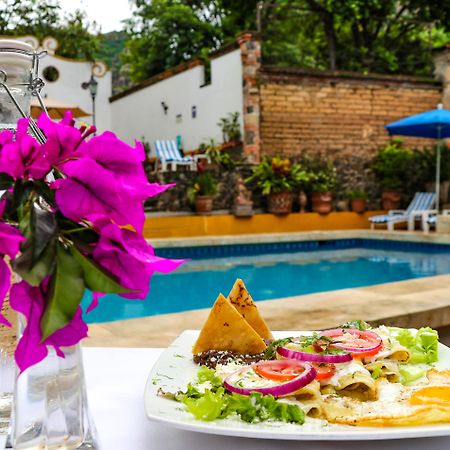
[
  {"x": 8, "y": 339},
  {"x": 50, "y": 405}
]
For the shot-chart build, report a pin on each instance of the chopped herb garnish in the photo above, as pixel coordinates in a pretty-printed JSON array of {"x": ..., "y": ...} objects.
[
  {"x": 270, "y": 353},
  {"x": 358, "y": 324}
]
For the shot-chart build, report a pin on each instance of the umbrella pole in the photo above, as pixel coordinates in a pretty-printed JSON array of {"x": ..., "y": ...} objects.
[{"x": 438, "y": 173}]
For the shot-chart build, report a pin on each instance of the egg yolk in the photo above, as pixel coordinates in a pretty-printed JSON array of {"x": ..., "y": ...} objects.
[{"x": 432, "y": 395}]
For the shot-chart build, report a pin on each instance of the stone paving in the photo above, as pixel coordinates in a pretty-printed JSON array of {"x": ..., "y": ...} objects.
[{"x": 414, "y": 303}]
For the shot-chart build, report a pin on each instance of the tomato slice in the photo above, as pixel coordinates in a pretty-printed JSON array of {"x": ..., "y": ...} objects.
[
  {"x": 357, "y": 342},
  {"x": 279, "y": 369},
  {"x": 324, "y": 371}
]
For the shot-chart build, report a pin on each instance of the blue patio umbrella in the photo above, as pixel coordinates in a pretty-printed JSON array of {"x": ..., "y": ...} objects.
[{"x": 433, "y": 124}]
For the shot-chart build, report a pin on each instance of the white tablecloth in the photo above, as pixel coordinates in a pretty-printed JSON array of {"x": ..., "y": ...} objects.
[{"x": 116, "y": 378}]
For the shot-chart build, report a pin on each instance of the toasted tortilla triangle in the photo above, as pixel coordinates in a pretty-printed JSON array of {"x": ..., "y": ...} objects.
[
  {"x": 240, "y": 298},
  {"x": 226, "y": 329}
]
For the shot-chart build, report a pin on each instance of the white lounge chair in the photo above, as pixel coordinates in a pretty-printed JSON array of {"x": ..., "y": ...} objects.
[
  {"x": 430, "y": 219},
  {"x": 169, "y": 156},
  {"x": 421, "y": 204}
]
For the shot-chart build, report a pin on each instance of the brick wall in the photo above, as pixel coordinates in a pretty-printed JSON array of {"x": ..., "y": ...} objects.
[{"x": 338, "y": 115}]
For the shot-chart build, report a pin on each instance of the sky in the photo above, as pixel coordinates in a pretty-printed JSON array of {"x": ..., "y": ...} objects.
[{"x": 107, "y": 13}]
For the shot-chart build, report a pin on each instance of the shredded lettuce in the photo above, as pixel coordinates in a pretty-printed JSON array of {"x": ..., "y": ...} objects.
[
  {"x": 376, "y": 372},
  {"x": 410, "y": 373},
  {"x": 423, "y": 346},
  {"x": 216, "y": 403}
]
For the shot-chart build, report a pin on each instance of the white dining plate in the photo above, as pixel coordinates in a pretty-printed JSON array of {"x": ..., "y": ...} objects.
[{"x": 175, "y": 369}]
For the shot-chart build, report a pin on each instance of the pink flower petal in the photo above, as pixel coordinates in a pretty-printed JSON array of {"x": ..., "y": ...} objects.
[
  {"x": 24, "y": 157},
  {"x": 10, "y": 239},
  {"x": 91, "y": 190},
  {"x": 131, "y": 259},
  {"x": 5, "y": 283},
  {"x": 62, "y": 138},
  {"x": 94, "y": 303},
  {"x": 124, "y": 162}
]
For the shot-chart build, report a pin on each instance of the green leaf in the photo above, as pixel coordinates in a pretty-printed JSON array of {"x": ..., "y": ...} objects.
[
  {"x": 37, "y": 257},
  {"x": 6, "y": 181},
  {"x": 97, "y": 279},
  {"x": 66, "y": 291},
  {"x": 34, "y": 273},
  {"x": 43, "y": 227}
]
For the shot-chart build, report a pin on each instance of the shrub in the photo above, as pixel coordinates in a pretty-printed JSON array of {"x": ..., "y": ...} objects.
[
  {"x": 278, "y": 174},
  {"x": 391, "y": 164}
]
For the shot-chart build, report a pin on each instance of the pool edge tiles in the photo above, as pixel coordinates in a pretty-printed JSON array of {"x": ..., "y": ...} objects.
[
  {"x": 258, "y": 238},
  {"x": 253, "y": 249}
]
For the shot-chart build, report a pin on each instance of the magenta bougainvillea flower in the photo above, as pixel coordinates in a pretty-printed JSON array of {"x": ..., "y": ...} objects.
[
  {"x": 63, "y": 138},
  {"x": 124, "y": 162},
  {"x": 10, "y": 239},
  {"x": 94, "y": 302},
  {"x": 30, "y": 301},
  {"x": 23, "y": 157},
  {"x": 79, "y": 202},
  {"x": 108, "y": 179},
  {"x": 127, "y": 255},
  {"x": 5, "y": 283}
]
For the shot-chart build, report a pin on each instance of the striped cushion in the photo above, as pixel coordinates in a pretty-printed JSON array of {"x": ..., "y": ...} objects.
[
  {"x": 168, "y": 151},
  {"x": 422, "y": 201},
  {"x": 385, "y": 218}
]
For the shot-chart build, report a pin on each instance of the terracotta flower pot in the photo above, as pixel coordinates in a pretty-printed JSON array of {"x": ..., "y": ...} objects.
[
  {"x": 322, "y": 202},
  {"x": 358, "y": 205},
  {"x": 203, "y": 204},
  {"x": 280, "y": 202},
  {"x": 390, "y": 200}
]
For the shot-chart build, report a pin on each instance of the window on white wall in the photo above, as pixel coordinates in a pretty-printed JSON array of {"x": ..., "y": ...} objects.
[{"x": 207, "y": 77}]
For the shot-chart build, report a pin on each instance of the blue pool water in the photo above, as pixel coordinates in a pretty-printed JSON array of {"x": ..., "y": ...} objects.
[{"x": 275, "y": 271}]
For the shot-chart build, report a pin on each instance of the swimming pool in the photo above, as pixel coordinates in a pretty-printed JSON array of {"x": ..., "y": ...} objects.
[{"x": 276, "y": 270}]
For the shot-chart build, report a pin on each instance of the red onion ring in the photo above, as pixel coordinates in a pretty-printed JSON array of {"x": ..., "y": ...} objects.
[
  {"x": 278, "y": 390},
  {"x": 336, "y": 332},
  {"x": 313, "y": 357}
]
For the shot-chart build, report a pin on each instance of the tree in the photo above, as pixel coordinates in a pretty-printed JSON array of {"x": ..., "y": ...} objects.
[
  {"x": 42, "y": 18},
  {"x": 164, "y": 33},
  {"x": 388, "y": 36}
]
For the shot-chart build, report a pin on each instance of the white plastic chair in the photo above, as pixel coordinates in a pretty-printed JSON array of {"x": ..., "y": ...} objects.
[{"x": 420, "y": 205}]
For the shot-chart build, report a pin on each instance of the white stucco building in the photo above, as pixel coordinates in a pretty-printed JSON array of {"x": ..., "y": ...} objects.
[
  {"x": 178, "y": 102},
  {"x": 70, "y": 74}
]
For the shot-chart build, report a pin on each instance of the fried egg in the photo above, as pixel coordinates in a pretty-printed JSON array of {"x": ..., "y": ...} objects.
[{"x": 397, "y": 405}]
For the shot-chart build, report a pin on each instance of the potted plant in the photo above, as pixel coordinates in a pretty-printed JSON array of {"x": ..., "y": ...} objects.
[
  {"x": 358, "y": 201},
  {"x": 277, "y": 177},
  {"x": 323, "y": 183},
  {"x": 390, "y": 166},
  {"x": 202, "y": 193},
  {"x": 231, "y": 128}
]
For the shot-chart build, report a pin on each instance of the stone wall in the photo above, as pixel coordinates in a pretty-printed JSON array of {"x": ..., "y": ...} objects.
[
  {"x": 334, "y": 114},
  {"x": 175, "y": 198}
]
